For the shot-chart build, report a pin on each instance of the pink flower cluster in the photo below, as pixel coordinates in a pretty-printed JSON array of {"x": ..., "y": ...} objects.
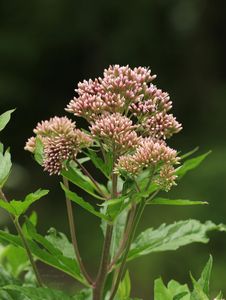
[
  {"x": 127, "y": 115},
  {"x": 61, "y": 142}
]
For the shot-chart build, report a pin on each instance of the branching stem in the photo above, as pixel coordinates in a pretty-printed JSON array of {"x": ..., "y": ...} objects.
[
  {"x": 24, "y": 242},
  {"x": 73, "y": 236}
]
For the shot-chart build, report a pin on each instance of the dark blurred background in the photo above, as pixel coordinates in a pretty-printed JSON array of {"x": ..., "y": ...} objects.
[{"x": 47, "y": 46}]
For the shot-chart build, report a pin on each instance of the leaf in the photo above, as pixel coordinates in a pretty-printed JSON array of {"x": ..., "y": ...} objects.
[
  {"x": 124, "y": 288},
  {"x": 178, "y": 202},
  {"x": 76, "y": 177},
  {"x": 171, "y": 237},
  {"x": 17, "y": 207},
  {"x": 219, "y": 296},
  {"x": 190, "y": 164},
  {"x": 14, "y": 260},
  {"x": 85, "y": 294},
  {"x": 75, "y": 198},
  {"x": 44, "y": 251},
  {"x": 160, "y": 291},
  {"x": 99, "y": 163},
  {"x": 118, "y": 230},
  {"x": 39, "y": 150},
  {"x": 37, "y": 293},
  {"x": 5, "y": 118},
  {"x": 7, "y": 278},
  {"x": 5, "y": 167},
  {"x": 204, "y": 280},
  {"x": 178, "y": 291},
  {"x": 197, "y": 293},
  {"x": 189, "y": 153},
  {"x": 115, "y": 206}
]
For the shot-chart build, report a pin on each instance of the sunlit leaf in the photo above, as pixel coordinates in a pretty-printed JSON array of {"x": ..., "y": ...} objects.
[
  {"x": 17, "y": 207},
  {"x": 37, "y": 293},
  {"x": 190, "y": 164},
  {"x": 177, "y": 202},
  {"x": 5, "y": 118},
  {"x": 204, "y": 280},
  {"x": 171, "y": 237},
  {"x": 5, "y": 167}
]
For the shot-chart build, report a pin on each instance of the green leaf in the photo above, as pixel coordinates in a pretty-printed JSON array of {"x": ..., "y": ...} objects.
[
  {"x": 178, "y": 291},
  {"x": 204, "y": 280},
  {"x": 124, "y": 288},
  {"x": 118, "y": 230},
  {"x": 190, "y": 164},
  {"x": 17, "y": 207},
  {"x": 34, "y": 293},
  {"x": 82, "y": 181},
  {"x": 99, "y": 163},
  {"x": 197, "y": 293},
  {"x": 87, "y": 206},
  {"x": 14, "y": 260},
  {"x": 160, "y": 291},
  {"x": 171, "y": 237},
  {"x": 85, "y": 294},
  {"x": 39, "y": 149},
  {"x": 115, "y": 206},
  {"x": 178, "y": 202},
  {"x": 189, "y": 153},
  {"x": 5, "y": 118},
  {"x": 219, "y": 296},
  {"x": 5, "y": 167},
  {"x": 46, "y": 252},
  {"x": 7, "y": 278}
]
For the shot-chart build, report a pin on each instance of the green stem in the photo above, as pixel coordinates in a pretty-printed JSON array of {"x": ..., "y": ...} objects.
[
  {"x": 24, "y": 242},
  {"x": 73, "y": 236},
  {"x": 130, "y": 239},
  {"x": 103, "y": 269},
  {"x": 29, "y": 254}
]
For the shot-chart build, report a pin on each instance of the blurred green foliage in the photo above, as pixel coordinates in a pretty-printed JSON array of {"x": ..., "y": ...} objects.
[{"x": 47, "y": 46}]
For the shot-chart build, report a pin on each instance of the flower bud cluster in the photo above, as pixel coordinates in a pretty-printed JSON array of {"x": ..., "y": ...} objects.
[
  {"x": 127, "y": 115},
  {"x": 61, "y": 142},
  {"x": 155, "y": 155}
]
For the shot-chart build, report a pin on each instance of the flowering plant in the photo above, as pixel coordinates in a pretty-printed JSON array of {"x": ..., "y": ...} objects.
[{"x": 129, "y": 124}]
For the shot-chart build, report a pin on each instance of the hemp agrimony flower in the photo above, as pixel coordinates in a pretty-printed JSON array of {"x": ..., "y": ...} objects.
[{"x": 61, "y": 142}]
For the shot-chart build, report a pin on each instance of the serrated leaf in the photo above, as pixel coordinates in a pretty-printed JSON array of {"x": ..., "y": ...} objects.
[
  {"x": 44, "y": 251},
  {"x": 177, "y": 202},
  {"x": 17, "y": 207},
  {"x": 171, "y": 237},
  {"x": 5, "y": 118},
  {"x": 197, "y": 293},
  {"x": 204, "y": 280},
  {"x": 5, "y": 167},
  {"x": 37, "y": 293},
  {"x": 87, "y": 206},
  {"x": 178, "y": 291},
  {"x": 160, "y": 291},
  {"x": 190, "y": 164},
  {"x": 81, "y": 180}
]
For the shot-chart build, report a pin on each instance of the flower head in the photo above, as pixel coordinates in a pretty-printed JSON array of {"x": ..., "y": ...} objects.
[
  {"x": 161, "y": 125},
  {"x": 116, "y": 131},
  {"x": 61, "y": 142}
]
